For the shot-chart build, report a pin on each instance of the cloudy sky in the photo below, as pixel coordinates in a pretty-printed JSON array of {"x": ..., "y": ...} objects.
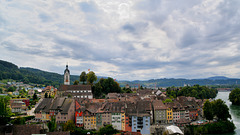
[{"x": 123, "y": 39}]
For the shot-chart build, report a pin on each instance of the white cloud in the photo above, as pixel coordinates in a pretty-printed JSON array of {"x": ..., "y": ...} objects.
[{"x": 124, "y": 39}]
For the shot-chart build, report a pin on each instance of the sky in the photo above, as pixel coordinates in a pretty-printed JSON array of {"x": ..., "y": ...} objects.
[{"x": 123, "y": 39}]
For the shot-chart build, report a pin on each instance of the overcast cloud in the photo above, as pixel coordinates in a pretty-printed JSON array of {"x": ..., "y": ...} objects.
[{"x": 123, "y": 39}]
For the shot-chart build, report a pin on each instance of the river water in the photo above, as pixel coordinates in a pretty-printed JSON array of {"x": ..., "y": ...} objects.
[{"x": 234, "y": 111}]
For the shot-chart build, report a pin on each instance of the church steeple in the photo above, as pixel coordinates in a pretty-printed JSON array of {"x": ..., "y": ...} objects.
[{"x": 66, "y": 76}]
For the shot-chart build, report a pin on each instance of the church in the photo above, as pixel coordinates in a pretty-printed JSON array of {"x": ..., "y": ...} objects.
[{"x": 76, "y": 91}]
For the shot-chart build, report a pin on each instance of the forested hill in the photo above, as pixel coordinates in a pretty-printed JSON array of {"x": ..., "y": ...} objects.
[
  {"x": 30, "y": 75},
  {"x": 216, "y": 81}
]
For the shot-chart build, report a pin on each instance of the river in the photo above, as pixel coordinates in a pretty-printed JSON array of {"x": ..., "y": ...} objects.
[{"x": 234, "y": 111}]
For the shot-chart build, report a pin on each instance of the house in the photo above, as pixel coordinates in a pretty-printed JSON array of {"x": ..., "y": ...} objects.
[
  {"x": 118, "y": 115},
  {"x": 139, "y": 115},
  {"x": 42, "y": 112},
  {"x": 31, "y": 92},
  {"x": 76, "y": 91},
  {"x": 79, "y": 109},
  {"x": 18, "y": 107},
  {"x": 159, "y": 112},
  {"x": 50, "y": 91},
  {"x": 89, "y": 115},
  {"x": 60, "y": 108},
  {"x": 191, "y": 107},
  {"x": 169, "y": 113},
  {"x": 104, "y": 115},
  {"x": 25, "y": 100},
  {"x": 65, "y": 110}
]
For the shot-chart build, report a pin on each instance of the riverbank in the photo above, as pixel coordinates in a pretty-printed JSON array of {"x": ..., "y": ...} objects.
[{"x": 233, "y": 109}]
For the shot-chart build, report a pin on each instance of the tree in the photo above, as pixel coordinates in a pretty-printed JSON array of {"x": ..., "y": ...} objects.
[
  {"x": 83, "y": 77},
  {"x": 46, "y": 95},
  {"x": 168, "y": 101},
  {"x": 107, "y": 130},
  {"x": 220, "y": 109},
  {"x": 91, "y": 77},
  {"x": 234, "y": 96},
  {"x": 52, "y": 124},
  {"x": 69, "y": 96},
  {"x": 69, "y": 126},
  {"x": 208, "y": 110},
  {"x": 5, "y": 111},
  {"x": 76, "y": 82},
  {"x": 35, "y": 96},
  {"x": 11, "y": 89},
  {"x": 19, "y": 121}
]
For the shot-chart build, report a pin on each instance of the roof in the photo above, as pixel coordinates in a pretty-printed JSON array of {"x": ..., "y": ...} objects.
[
  {"x": 74, "y": 87},
  {"x": 44, "y": 105},
  {"x": 174, "y": 130},
  {"x": 49, "y": 88},
  {"x": 158, "y": 105},
  {"x": 93, "y": 107},
  {"x": 66, "y": 70},
  {"x": 66, "y": 105},
  {"x": 27, "y": 129},
  {"x": 141, "y": 108},
  {"x": 117, "y": 107}
]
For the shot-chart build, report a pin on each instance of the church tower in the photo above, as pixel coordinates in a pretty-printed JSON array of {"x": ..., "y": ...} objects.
[{"x": 66, "y": 76}]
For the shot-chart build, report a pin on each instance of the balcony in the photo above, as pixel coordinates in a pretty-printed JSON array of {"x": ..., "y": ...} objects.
[
  {"x": 140, "y": 122},
  {"x": 139, "y": 118},
  {"x": 140, "y": 126}
]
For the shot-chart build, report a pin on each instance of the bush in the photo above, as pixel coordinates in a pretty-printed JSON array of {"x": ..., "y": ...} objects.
[{"x": 212, "y": 128}]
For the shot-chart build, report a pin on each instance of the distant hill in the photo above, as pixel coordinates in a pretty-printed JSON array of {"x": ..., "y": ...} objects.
[
  {"x": 214, "y": 81},
  {"x": 30, "y": 75},
  {"x": 218, "y": 78}
]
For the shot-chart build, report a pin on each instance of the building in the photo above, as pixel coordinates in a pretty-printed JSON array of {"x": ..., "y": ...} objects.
[
  {"x": 159, "y": 112},
  {"x": 42, "y": 112},
  {"x": 18, "y": 107},
  {"x": 79, "y": 114},
  {"x": 117, "y": 110},
  {"x": 89, "y": 115},
  {"x": 140, "y": 116},
  {"x": 169, "y": 113},
  {"x": 66, "y": 76},
  {"x": 50, "y": 91},
  {"x": 60, "y": 108},
  {"x": 76, "y": 91}
]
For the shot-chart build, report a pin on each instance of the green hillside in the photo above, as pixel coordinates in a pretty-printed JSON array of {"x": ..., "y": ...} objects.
[{"x": 30, "y": 75}]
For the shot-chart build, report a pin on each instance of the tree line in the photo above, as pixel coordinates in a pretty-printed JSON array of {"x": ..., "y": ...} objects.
[
  {"x": 100, "y": 88},
  {"x": 234, "y": 96},
  {"x": 197, "y": 91}
]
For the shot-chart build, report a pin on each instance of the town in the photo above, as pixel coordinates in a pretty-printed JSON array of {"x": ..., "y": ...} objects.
[{"x": 144, "y": 111}]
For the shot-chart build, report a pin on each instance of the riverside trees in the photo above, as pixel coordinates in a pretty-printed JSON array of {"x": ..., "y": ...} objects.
[
  {"x": 216, "y": 108},
  {"x": 234, "y": 96},
  {"x": 199, "y": 92}
]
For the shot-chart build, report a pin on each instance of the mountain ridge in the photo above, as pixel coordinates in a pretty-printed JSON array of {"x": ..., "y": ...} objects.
[{"x": 9, "y": 70}]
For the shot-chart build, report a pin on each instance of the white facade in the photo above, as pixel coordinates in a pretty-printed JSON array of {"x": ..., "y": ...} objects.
[{"x": 116, "y": 121}]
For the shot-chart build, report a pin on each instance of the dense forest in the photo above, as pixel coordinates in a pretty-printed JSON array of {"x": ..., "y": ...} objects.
[
  {"x": 30, "y": 75},
  {"x": 199, "y": 92}
]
